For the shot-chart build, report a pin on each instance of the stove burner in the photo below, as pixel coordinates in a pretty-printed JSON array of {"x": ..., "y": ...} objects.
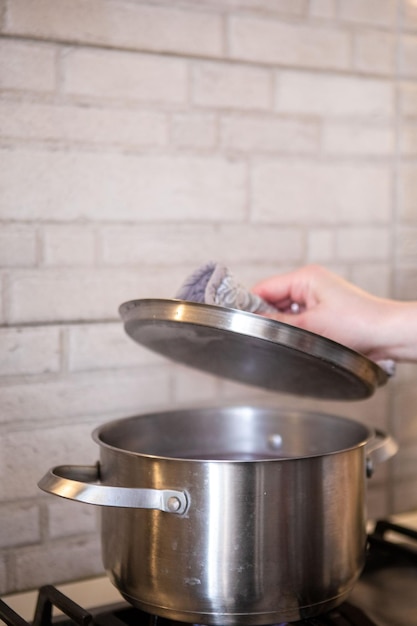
[{"x": 387, "y": 560}]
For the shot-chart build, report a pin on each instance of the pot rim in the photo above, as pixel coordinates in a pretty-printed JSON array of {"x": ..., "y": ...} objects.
[{"x": 368, "y": 435}]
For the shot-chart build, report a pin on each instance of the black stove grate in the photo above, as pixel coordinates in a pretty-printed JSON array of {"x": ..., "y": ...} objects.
[{"x": 122, "y": 615}]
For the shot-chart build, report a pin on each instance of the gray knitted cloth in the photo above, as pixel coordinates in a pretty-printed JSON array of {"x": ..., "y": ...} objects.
[{"x": 213, "y": 283}]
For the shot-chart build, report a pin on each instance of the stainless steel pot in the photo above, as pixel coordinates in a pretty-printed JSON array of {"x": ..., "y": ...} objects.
[{"x": 238, "y": 515}]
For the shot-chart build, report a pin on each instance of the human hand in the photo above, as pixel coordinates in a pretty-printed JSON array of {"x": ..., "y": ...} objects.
[{"x": 334, "y": 308}]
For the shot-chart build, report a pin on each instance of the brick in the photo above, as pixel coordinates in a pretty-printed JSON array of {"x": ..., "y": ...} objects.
[
  {"x": 255, "y": 134},
  {"x": 28, "y": 455},
  {"x": 347, "y": 138},
  {"x": 101, "y": 394},
  {"x": 26, "y": 351},
  {"x": 194, "y": 130},
  {"x": 64, "y": 295},
  {"x": 404, "y": 461},
  {"x": 270, "y": 41},
  {"x": 3, "y": 288},
  {"x": 405, "y": 282},
  {"x": 124, "y": 76},
  {"x": 355, "y": 244},
  {"x": 18, "y": 246},
  {"x": 375, "y": 12},
  {"x": 20, "y": 525},
  {"x": 408, "y": 191},
  {"x": 323, "y": 8},
  {"x": 68, "y": 295},
  {"x": 408, "y": 139},
  {"x": 4, "y": 587},
  {"x": 405, "y": 424},
  {"x": 82, "y": 124},
  {"x": 193, "y": 386},
  {"x": 284, "y": 7},
  {"x": 406, "y": 244},
  {"x": 374, "y": 277},
  {"x": 106, "y": 346},
  {"x": 333, "y": 95},
  {"x": 192, "y": 245},
  {"x": 404, "y": 496},
  {"x": 375, "y": 51},
  {"x": 2, "y": 14},
  {"x": 408, "y": 55},
  {"x": 377, "y": 502},
  {"x": 230, "y": 86},
  {"x": 170, "y": 187},
  {"x": 60, "y": 561},
  {"x": 320, "y": 245},
  {"x": 408, "y": 99},
  {"x": 132, "y": 26},
  {"x": 68, "y": 246},
  {"x": 66, "y": 518},
  {"x": 320, "y": 193},
  {"x": 27, "y": 66}
]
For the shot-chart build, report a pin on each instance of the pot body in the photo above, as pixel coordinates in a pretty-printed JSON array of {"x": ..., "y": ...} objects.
[{"x": 275, "y": 523}]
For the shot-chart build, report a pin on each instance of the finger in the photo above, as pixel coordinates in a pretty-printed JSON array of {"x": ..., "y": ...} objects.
[{"x": 278, "y": 290}]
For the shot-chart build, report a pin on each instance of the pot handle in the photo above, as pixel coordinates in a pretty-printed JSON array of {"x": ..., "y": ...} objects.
[
  {"x": 379, "y": 449},
  {"x": 82, "y": 483}
]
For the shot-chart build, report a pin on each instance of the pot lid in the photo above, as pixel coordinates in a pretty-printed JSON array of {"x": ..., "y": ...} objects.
[{"x": 251, "y": 349}]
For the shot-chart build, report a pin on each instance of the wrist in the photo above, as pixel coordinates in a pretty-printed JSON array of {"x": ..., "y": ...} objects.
[{"x": 396, "y": 331}]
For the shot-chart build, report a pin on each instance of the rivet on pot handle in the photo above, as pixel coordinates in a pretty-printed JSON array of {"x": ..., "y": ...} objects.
[
  {"x": 379, "y": 449},
  {"x": 82, "y": 483}
]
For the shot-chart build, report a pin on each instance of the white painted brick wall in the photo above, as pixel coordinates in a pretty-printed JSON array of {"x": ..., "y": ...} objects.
[
  {"x": 376, "y": 12},
  {"x": 408, "y": 99},
  {"x": 285, "y": 192},
  {"x": 120, "y": 25},
  {"x": 271, "y": 41},
  {"x": 263, "y": 134},
  {"x": 407, "y": 191},
  {"x": 323, "y": 8},
  {"x": 68, "y": 246},
  {"x": 20, "y": 525},
  {"x": 105, "y": 346},
  {"x": 69, "y": 294},
  {"x": 375, "y": 51},
  {"x": 408, "y": 140},
  {"x": 333, "y": 95},
  {"x": 321, "y": 245},
  {"x": 170, "y": 244},
  {"x": 120, "y": 187},
  {"x": 408, "y": 56},
  {"x": 27, "y": 66},
  {"x": 124, "y": 76},
  {"x": 361, "y": 139},
  {"x": 18, "y": 246},
  {"x": 363, "y": 243},
  {"x": 29, "y": 351},
  {"x": 139, "y": 140},
  {"x": 40, "y": 449},
  {"x": 229, "y": 86},
  {"x": 67, "y": 518},
  {"x": 99, "y": 394},
  {"x": 74, "y": 558},
  {"x": 406, "y": 245},
  {"x": 196, "y": 130},
  {"x": 84, "y": 124}
]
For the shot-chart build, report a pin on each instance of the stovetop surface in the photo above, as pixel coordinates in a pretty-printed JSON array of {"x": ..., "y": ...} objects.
[{"x": 385, "y": 595}]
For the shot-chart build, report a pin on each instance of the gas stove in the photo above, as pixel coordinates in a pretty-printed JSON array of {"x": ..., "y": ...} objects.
[{"x": 385, "y": 595}]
